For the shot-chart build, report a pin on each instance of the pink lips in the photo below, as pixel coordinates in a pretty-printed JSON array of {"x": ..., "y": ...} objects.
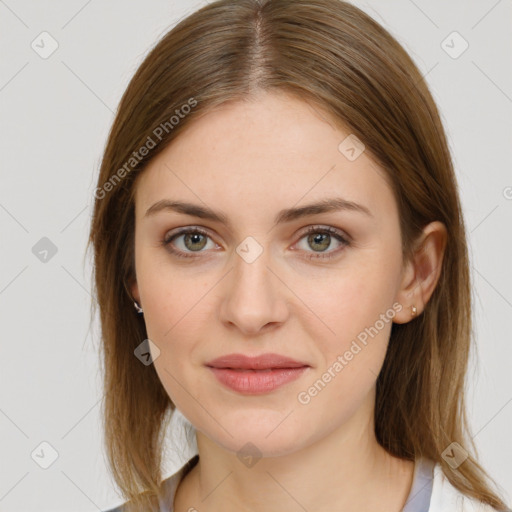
[{"x": 256, "y": 375}]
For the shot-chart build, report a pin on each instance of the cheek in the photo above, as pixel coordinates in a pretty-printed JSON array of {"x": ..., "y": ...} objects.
[
  {"x": 172, "y": 297},
  {"x": 346, "y": 303},
  {"x": 357, "y": 316},
  {"x": 178, "y": 317},
  {"x": 355, "y": 307}
]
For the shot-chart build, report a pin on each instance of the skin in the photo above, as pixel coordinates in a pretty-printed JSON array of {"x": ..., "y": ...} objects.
[{"x": 250, "y": 160}]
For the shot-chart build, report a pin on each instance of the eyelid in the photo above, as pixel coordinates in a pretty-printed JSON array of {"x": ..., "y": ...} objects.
[
  {"x": 313, "y": 228},
  {"x": 184, "y": 231}
]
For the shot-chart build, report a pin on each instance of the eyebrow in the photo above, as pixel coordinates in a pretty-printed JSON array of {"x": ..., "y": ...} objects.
[{"x": 286, "y": 215}]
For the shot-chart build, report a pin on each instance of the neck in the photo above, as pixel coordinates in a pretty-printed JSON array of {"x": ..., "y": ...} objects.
[{"x": 346, "y": 469}]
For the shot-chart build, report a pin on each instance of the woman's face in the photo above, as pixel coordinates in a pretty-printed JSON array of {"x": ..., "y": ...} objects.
[{"x": 248, "y": 285}]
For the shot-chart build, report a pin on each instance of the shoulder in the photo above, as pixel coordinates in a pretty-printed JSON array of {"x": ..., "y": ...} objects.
[
  {"x": 168, "y": 488},
  {"x": 447, "y": 498}
]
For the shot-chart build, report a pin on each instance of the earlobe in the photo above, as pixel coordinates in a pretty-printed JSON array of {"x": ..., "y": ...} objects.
[
  {"x": 407, "y": 297},
  {"x": 132, "y": 289},
  {"x": 423, "y": 272},
  {"x": 135, "y": 291}
]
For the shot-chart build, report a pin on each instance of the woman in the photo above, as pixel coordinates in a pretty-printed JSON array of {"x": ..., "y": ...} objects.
[{"x": 280, "y": 255}]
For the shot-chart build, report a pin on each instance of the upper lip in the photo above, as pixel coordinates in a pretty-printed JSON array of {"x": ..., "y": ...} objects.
[{"x": 261, "y": 362}]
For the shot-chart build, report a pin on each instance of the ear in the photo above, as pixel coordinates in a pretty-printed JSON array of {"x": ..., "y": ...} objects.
[
  {"x": 421, "y": 274},
  {"x": 134, "y": 289}
]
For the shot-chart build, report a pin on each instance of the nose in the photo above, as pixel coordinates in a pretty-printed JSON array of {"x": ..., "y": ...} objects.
[{"x": 254, "y": 297}]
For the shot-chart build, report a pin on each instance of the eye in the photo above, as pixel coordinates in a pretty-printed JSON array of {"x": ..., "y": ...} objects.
[
  {"x": 194, "y": 240},
  {"x": 320, "y": 238}
]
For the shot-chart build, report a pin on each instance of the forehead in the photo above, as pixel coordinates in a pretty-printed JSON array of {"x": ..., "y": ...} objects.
[{"x": 273, "y": 151}]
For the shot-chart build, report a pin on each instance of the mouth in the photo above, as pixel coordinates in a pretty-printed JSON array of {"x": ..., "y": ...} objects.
[
  {"x": 256, "y": 382},
  {"x": 256, "y": 375},
  {"x": 266, "y": 361}
]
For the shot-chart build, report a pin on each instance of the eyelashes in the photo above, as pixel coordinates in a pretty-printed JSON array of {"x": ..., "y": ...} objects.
[{"x": 320, "y": 235}]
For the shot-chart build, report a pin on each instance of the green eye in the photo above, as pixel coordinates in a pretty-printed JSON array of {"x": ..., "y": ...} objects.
[{"x": 319, "y": 238}]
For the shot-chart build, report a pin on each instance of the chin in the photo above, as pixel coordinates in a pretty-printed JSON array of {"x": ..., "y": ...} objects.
[{"x": 258, "y": 434}]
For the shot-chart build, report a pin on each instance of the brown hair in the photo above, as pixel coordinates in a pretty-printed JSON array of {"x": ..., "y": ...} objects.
[{"x": 333, "y": 55}]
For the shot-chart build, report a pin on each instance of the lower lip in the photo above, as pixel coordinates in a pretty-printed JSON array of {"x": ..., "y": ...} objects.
[{"x": 255, "y": 382}]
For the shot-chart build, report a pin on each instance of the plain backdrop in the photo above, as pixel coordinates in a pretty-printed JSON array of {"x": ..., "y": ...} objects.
[{"x": 56, "y": 111}]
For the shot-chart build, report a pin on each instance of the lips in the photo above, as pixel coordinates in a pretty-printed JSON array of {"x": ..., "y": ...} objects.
[
  {"x": 256, "y": 375},
  {"x": 267, "y": 361}
]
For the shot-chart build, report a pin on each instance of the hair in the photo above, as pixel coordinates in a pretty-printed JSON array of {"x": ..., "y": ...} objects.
[{"x": 334, "y": 56}]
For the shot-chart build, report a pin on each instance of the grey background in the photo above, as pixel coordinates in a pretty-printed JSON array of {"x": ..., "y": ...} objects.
[{"x": 55, "y": 115}]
